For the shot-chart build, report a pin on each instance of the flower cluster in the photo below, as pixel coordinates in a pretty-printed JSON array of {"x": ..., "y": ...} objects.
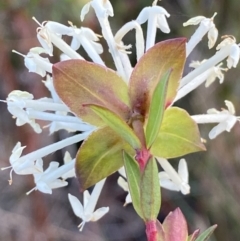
[{"x": 25, "y": 109}]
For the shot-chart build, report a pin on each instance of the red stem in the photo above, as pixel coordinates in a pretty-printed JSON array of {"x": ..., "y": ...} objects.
[{"x": 151, "y": 230}]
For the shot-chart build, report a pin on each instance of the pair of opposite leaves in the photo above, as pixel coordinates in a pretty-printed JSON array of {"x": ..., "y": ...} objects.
[{"x": 100, "y": 97}]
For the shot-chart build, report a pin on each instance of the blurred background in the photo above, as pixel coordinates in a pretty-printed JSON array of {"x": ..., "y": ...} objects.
[{"x": 214, "y": 175}]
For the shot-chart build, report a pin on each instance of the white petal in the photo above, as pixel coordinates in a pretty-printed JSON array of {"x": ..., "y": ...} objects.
[
  {"x": 128, "y": 199},
  {"x": 39, "y": 165},
  {"x": 183, "y": 170},
  {"x": 233, "y": 58},
  {"x": 218, "y": 129},
  {"x": 76, "y": 206},
  {"x": 230, "y": 107},
  {"x": 122, "y": 172},
  {"x": 213, "y": 111},
  {"x": 143, "y": 16},
  {"x": 58, "y": 28},
  {"x": 75, "y": 44},
  {"x": 212, "y": 37},
  {"x": 123, "y": 184},
  {"x": 38, "y": 50},
  {"x": 45, "y": 42},
  {"x": 165, "y": 183},
  {"x": 99, "y": 213},
  {"x": 57, "y": 184},
  {"x": 43, "y": 187},
  {"x": 94, "y": 197},
  {"x": 98, "y": 47},
  {"x": 162, "y": 24},
  {"x": 211, "y": 78},
  {"x": 16, "y": 152},
  {"x": 64, "y": 57},
  {"x": 185, "y": 189},
  {"x": 194, "y": 21},
  {"x": 163, "y": 175},
  {"x": 230, "y": 122},
  {"x": 109, "y": 8},
  {"x": 86, "y": 198},
  {"x": 85, "y": 10},
  {"x": 52, "y": 167}
]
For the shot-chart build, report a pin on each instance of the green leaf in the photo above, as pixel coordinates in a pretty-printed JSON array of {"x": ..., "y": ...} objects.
[
  {"x": 178, "y": 135},
  {"x": 117, "y": 124},
  {"x": 99, "y": 156},
  {"x": 78, "y": 82},
  {"x": 150, "y": 196},
  {"x": 157, "y": 108},
  {"x": 206, "y": 234},
  {"x": 169, "y": 54},
  {"x": 133, "y": 178}
]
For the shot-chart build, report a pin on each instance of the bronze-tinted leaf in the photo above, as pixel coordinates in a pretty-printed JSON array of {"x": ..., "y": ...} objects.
[
  {"x": 79, "y": 82},
  {"x": 169, "y": 54}
]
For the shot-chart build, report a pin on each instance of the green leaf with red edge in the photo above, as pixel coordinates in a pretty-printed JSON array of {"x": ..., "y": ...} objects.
[
  {"x": 133, "y": 178},
  {"x": 99, "y": 156},
  {"x": 178, "y": 135},
  {"x": 175, "y": 226},
  {"x": 206, "y": 234},
  {"x": 150, "y": 196},
  {"x": 194, "y": 235},
  {"x": 169, "y": 54},
  {"x": 156, "y": 110},
  {"x": 117, "y": 124},
  {"x": 79, "y": 82}
]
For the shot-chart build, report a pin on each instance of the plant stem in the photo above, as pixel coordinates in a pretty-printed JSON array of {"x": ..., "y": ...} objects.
[{"x": 151, "y": 230}]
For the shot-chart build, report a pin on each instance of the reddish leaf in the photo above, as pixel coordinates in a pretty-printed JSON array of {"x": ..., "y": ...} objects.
[
  {"x": 79, "y": 82},
  {"x": 175, "y": 226},
  {"x": 155, "y": 62}
]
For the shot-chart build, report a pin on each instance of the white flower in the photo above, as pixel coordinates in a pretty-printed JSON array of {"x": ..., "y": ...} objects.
[
  {"x": 227, "y": 123},
  {"x": 208, "y": 76},
  {"x": 103, "y": 9},
  {"x": 156, "y": 17},
  {"x": 213, "y": 73},
  {"x": 139, "y": 37},
  {"x": 67, "y": 158},
  {"x": 155, "y": 12},
  {"x": 124, "y": 185},
  {"x": 31, "y": 163},
  {"x": 16, "y": 106},
  {"x": 234, "y": 54},
  {"x": 47, "y": 37},
  {"x": 172, "y": 180},
  {"x": 35, "y": 63},
  {"x": 86, "y": 211},
  {"x": 81, "y": 36},
  {"x": 23, "y": 166},
  {"x": 49, "y": 85},
  {"x": 206, "y": 26},
  {"x": 225, "y": 51},
  {"x": 50, "y": 178}
]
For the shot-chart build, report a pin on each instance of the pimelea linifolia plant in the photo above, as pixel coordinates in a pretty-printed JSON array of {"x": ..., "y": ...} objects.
[{"x": 126, "y": 116}]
